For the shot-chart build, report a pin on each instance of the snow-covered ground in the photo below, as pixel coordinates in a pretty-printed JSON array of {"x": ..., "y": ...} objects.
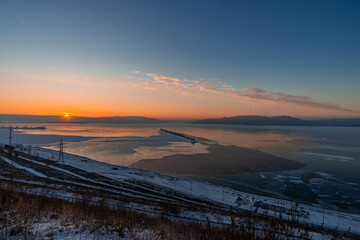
[
  {"x": 62, "y": 228},
  {"x": 59, "y": 229},
  {"x": 30, "y": 170},
  {"x": 216, "y": 194}
]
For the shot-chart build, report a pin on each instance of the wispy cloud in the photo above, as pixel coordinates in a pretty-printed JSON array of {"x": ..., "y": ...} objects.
[
  {"x": 260, "y": 94},
  {"x": 150, "y": 74},
  {"x": 200, "y": 87},
  {"x": 169, "y": 78},
  {"x": 135, "y": 72},
  {"x": 180, "y": 86}
]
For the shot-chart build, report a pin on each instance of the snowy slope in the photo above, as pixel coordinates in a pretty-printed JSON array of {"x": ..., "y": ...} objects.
[
  {"x": 30, "y": 170},
  {"x": 216, "y": 194}
]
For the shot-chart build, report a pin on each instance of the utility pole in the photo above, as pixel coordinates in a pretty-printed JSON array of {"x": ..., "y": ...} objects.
[
  {"x": 10, "y": 135},
  {"x": 61, "y": 152},
  {"x": 10, "y": 152}
]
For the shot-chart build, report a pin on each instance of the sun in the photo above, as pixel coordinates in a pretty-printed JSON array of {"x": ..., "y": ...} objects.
[{"x": 67, "y": 115}]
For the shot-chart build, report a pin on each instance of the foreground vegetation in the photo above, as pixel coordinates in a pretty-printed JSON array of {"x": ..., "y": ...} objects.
[
  {"x": 23, "y": 216},
  {"x": 71, "y": 203}
]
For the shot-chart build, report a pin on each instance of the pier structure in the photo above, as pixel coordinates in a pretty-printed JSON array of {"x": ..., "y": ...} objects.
[
  {"x": 24, "y": 127},
  {"x": 179, "y": 135}
]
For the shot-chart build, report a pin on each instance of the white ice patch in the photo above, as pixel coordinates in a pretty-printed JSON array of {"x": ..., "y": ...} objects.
[
  {"x": 296, "y": 181},
  {"x": 331, "y": 157},
  {"x": 326, "y": 175}
]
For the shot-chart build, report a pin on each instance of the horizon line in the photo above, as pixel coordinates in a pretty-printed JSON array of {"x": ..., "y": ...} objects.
[{"x": 172, "y": 118}]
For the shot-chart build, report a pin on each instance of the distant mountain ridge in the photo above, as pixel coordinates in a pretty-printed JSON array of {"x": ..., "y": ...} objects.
[
  {"x": 345, "y": 122},
  {"x": 59, "y": 119},
  {"x": 278, "y": 121},
  {"x": 236, "y": 120}
]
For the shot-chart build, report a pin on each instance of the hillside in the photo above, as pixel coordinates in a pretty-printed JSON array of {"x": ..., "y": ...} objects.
[
  {"x": 94, "y": 200},
  {"x": 351, "y": 122}
]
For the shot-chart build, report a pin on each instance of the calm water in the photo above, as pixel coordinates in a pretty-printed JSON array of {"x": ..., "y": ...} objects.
[{"x": 332, "y": 154}]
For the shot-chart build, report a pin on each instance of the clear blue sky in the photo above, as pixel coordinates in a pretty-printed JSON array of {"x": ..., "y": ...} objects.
[{"x": 303, "y": 48}]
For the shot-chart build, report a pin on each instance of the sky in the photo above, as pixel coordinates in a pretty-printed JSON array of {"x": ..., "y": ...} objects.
[{"x": 180, "y": 59}]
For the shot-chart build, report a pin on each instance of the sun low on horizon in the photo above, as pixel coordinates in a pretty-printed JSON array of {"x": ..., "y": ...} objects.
[
  {"x": 222, "y": 58},
  {"x": 183, "y": 119}
]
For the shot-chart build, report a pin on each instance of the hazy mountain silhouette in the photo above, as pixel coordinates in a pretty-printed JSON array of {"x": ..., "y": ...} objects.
[
  {"x": 57, "y": 119},
  {"x": 236, "y": 120},
  {"x": 346, "y": 122},
  {"x": 259, "y": 120}
]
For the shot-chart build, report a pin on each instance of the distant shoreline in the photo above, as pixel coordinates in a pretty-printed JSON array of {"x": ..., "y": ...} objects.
[{"x": 246, "y": 120}]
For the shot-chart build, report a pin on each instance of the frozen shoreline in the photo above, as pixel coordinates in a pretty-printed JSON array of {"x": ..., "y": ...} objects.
[{"x": 216, "y": 194}]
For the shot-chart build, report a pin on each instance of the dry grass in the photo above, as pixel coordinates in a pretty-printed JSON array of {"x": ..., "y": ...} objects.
[{"x": 20, "y": 212}]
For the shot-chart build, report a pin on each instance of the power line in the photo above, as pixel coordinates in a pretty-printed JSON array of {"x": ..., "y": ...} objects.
[
  {"x": 61, "y": 152},
  {"x": 10, "y": 135}
]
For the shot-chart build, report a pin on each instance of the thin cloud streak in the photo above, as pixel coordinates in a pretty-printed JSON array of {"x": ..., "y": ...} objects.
[
  {"x": 180, "y": 86},
  {"x": 260, "y": 94},
  {"x": 196, "y": 88}
]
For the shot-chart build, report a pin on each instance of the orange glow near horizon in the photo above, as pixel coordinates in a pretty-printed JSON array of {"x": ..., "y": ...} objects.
[{"x": 75, "y": 95}]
